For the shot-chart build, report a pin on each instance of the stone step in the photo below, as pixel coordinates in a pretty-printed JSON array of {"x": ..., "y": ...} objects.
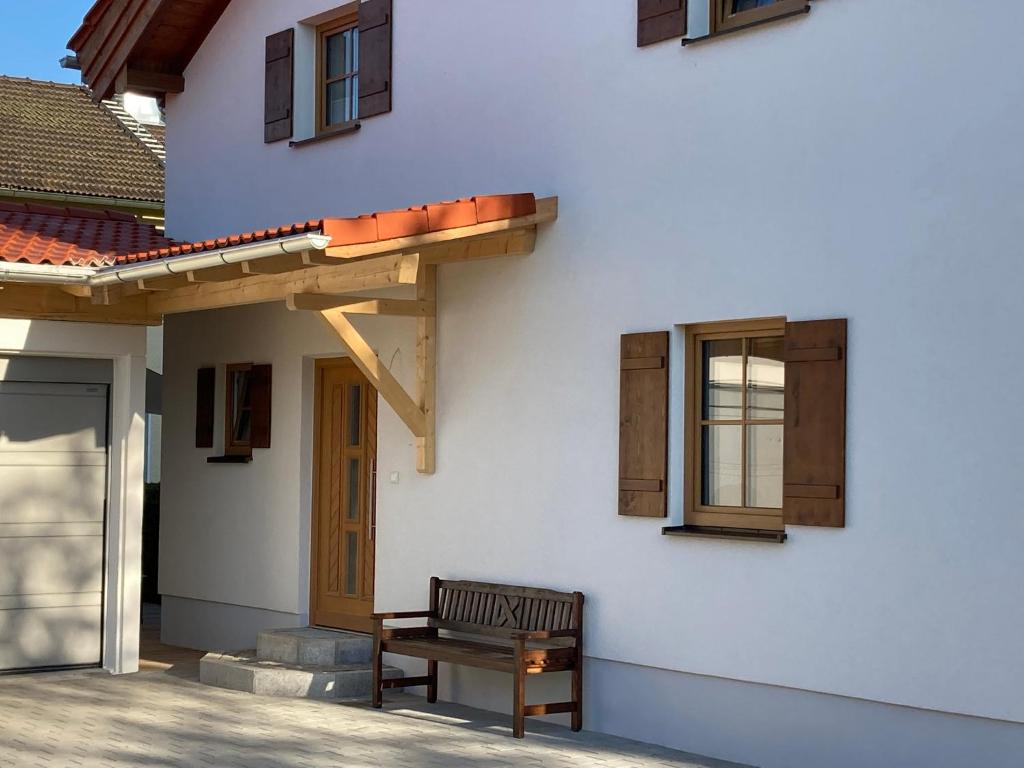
[
  {"x": 245, "y": 672},
  {"x": 310, "y": 646}
]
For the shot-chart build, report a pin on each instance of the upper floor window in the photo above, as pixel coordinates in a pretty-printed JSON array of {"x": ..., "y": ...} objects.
[
  {"x": 691, "y": 20},
  {"x": 329, "y": 73},
  {"x": 733, "y": 14},
  {"x": 337, "y": 72}
]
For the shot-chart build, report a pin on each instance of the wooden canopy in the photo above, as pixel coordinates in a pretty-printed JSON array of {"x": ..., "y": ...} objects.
[{"x": 327, "y": 280}]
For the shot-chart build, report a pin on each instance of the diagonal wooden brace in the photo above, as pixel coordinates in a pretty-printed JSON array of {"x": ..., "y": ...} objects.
[{"x": 374, "y": 369}]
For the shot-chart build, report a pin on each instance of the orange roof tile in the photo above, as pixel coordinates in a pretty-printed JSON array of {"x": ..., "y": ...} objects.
[
  {"x": 77, "y": 236},
  {"x": 41, "y": 234}
]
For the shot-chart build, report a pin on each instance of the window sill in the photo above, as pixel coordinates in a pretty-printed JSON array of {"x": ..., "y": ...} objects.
[
  {"x": 722, "y": 33},
  {"x": 230, "y": 459},
  {"x": 340, "y": 130},
  {"x": 709, "y": 532}
]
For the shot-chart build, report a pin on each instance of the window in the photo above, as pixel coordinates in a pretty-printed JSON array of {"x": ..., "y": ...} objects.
[
  {"x": 337, "y": 73},
  {"x": 693, "y": 20},
  {"x": 733, "y": 14},
  {"x": 735, "y": 397},
  {"x": 238, "y": 410}
]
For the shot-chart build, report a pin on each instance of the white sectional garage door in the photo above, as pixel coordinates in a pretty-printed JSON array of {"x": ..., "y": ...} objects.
[{"x": 53, "y": 479}]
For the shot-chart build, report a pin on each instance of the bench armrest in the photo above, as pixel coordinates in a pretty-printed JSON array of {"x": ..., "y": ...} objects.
[
  {"x": 544, "y": 634},
  {"x": 403, "y": 615}
]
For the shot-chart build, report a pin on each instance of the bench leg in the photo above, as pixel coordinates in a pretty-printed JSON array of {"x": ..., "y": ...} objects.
[
  {"x": 377, "y": 699},
  {"x": 432, "y": 687},
  {"x": 519, "y": 705},
  {"x": 577, "y": 694}
]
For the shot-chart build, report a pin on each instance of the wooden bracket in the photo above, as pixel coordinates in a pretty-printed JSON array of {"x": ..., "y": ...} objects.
[
  {"x": 374, "y": 369},
  {"x": 417, "y": 413}
]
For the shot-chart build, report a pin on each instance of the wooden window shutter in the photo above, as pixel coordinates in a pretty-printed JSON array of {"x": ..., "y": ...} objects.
[
  {"x": 277, "y": 88},
  {"x": 260, "y": 396},
  {"x": 814, "y": 439},
  {"x": 374, "y": 58},
  {"x": 643, "y": 424},
  {"x": 658, "y": 20},
  {"x": 206, "y": 380}
]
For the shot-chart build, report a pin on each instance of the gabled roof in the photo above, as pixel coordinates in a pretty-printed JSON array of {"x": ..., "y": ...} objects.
[
  {"x": 55, "y": 139},
  {"x": 146, "y": 43}
]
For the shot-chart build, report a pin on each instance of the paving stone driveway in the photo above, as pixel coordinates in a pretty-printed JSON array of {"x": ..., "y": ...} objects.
[{"x": 91, "y": 719}]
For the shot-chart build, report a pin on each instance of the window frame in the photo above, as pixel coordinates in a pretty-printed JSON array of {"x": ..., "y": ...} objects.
[
  {"x": 233, "y": 447},
  {"x": 723, "y": 21},
  {"x": 343, "y": 23},
  {"x": 696, "y": 513}
]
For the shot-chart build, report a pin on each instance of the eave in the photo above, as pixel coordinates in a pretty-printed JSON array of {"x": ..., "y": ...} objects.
[
  {"x": 141, "y": 45},
  {"x": 306, "y": 273}
]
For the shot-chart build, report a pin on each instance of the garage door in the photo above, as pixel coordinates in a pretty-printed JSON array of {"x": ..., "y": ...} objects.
[{"x": 53, "y": 478}]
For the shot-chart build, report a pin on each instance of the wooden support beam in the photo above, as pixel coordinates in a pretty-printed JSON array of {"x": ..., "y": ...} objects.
[
  {"x": 360, "y": 305},
  {"x": 51, "y": 303},
  {"x": 162, "y": 283},
  {"x": 384, "y": 272},
  {"x": 149, "y": 83},
  {"x": 81, "y": 291},
  {"x": 518, "y": 243},
  {"x": 374, "y": 369},
  {"x": 426, "y": 371},
  {"x": 219, "y": 274}
]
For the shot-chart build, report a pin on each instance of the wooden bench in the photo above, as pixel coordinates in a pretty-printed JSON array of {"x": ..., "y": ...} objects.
[{"x": 520, "y": 630}]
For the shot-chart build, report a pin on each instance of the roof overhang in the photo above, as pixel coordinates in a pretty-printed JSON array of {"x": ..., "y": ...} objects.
[
  {"x": 310, "y": 272},
  {"x": 220, "y": 273},
  {"x": 141, "y": 45}
]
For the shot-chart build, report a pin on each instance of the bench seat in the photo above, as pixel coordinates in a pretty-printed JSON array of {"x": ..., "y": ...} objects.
[{"x": 520, "y": 630}]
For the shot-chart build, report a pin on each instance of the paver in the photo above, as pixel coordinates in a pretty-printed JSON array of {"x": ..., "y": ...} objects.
[{"x": 91, "y": 719}]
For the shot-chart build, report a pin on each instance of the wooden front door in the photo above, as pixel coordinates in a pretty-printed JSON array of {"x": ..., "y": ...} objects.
[{"x": 343, "y": 500}]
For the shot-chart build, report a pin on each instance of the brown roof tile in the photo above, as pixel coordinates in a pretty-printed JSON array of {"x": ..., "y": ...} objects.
[{"x": 55, "y": 138}]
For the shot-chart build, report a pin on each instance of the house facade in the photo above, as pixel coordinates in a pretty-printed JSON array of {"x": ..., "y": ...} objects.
[{"x": 733, "y": 393}]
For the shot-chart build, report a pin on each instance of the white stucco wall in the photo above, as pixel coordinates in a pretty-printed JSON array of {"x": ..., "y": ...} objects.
[
  {"x": 859, "y": 162},
  {"x": 125, "y": 346}
]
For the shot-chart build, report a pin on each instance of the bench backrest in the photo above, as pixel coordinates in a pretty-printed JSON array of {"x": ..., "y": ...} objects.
[{"x": 500, "y": 609}]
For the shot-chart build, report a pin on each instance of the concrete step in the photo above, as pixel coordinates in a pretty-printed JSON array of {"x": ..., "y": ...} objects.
[
  {"x": 245, "y": 672},
  {"x": 317, "y": 647}
]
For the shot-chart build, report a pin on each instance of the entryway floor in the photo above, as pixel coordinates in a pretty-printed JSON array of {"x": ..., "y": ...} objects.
[
  {"x": 156, "y": 718},
  {"x": 154, "y": 656}
]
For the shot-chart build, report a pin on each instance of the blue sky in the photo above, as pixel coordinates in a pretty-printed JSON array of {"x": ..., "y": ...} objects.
[{"x": 33, "y": 36}]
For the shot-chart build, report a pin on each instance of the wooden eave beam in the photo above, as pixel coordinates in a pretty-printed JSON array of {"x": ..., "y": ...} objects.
[
  {"x": 385, "y": 272},
  {"x": 360, "y": 305},
  {"x": 150, "y": 83},
  {"x": 37, "y": 302},
  {"x": 136, "y": 15}
]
